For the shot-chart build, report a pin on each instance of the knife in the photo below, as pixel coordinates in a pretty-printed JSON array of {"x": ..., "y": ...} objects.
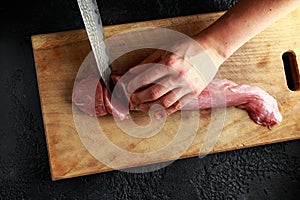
[{"x": 93, "y": 24}]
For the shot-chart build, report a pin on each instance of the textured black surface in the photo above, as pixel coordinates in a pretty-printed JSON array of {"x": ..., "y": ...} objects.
[{"x": 267, "y": 172}]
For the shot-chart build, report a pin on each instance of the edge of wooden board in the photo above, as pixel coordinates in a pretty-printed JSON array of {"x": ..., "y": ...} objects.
[{"x": 40, "y": 41}]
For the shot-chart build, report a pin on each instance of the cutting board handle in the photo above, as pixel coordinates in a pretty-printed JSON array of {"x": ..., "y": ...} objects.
[{"x": 291, "y": 70}]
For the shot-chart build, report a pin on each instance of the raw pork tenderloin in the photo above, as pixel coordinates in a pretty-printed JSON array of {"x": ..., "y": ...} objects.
[{"x": 261, "y": 107}]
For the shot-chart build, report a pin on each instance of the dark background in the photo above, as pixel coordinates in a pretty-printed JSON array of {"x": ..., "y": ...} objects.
[{"x": 266, "y": 172}]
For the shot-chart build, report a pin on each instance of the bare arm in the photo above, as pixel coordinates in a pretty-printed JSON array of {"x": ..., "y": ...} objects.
[
  {"x": 220, "y": 40},
  {"x": 242, "y": 22}
]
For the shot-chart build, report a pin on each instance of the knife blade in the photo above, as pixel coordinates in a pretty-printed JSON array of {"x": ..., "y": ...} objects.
[{"x": 93, "y": 24}]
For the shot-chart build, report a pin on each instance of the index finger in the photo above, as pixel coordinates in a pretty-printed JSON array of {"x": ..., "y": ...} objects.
[
  {"x": 153, "y": 73},
  {"x": 152, "y": 58}
]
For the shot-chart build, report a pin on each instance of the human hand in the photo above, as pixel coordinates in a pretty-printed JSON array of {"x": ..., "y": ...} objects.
[{"x": 172, "y": 78}]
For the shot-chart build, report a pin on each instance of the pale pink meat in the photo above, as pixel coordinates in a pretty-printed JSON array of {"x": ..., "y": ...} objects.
[
  {"x": 261, "y": 107},
  {"x": 83, "y": 93}
]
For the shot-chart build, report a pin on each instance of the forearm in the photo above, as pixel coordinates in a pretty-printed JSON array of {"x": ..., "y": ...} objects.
[{"x": 242, "y": 22}]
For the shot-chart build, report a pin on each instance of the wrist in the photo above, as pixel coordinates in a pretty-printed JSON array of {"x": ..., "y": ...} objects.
[{"x": 218, "y": 52}]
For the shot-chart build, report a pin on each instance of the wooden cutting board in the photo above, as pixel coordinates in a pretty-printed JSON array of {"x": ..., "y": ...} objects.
[{"x": 58, "y": 57}]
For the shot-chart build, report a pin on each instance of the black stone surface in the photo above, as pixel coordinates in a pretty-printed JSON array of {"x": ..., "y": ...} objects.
[{"x": 266, "y": 172}]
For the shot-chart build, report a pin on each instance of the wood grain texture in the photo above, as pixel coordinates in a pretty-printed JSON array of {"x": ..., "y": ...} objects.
[{"x": 58, "y": 57}]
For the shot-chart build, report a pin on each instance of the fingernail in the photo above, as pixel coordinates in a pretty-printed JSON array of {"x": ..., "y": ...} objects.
[
  {"x": 159, "y": 114},
  {"x": 137, "y": 107},
  {"x": 141, "y": 107},
  {"x": 132, "y": 100},
  {"x": 178, "y": 106}
]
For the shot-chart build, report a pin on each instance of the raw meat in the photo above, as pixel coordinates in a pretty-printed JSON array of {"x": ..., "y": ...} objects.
[
  {"x": 83, "y": 93},
  {"x": 261, "y": 106}
]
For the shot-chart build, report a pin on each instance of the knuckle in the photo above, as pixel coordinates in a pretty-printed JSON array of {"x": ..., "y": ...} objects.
[
  {"x": 134, "y": 99},
  {"x": 182, "y": 74},
  {"x": 140, "y": 80},
  {"x": 143, "y": 81},
  {"x": 171, "y": 60},
  {"x": 166, "y": 102},
  {"x": 174, "y": 57},
  {"x": 178, "y": 105},
  {"x": 169, "y": 100},
  {"x": 154, "y": 93},
  {"x": 169, "y": 63},
  {"x": 197, "y": 91}
]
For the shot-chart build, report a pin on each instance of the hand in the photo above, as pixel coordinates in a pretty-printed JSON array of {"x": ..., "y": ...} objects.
[{"x": 172, "y": 78}]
